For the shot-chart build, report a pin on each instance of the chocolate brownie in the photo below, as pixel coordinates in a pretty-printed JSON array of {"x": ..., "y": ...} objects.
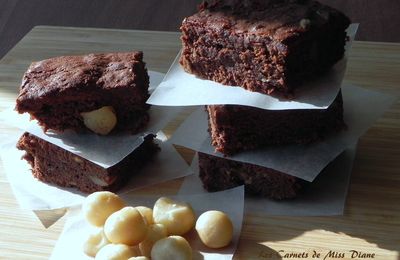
[
  {"x": 221, "y": 173},
  {"x": 54, "y": 165},
  {"x": 236, "y": 128},
  {"x": 57, "y": 91},
  {"x": 262, "y": 45}
]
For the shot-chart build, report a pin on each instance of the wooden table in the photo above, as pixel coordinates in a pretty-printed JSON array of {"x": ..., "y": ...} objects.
[{"x": 371, "y": 223}]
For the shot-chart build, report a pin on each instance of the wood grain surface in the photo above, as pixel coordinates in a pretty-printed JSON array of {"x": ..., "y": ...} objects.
[
  {"x": 379, "y": 19},
  {"x": 371, "y": 223}
]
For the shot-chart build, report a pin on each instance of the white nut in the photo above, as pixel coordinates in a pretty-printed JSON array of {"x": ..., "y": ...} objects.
[
  {"x": 115, "y": 252},
  {"x": 172, "y": 247},
  {"x": 147, "y": 214},
  {"x": 155, "y": 233},
  {"x": 101, "y": 121},
  {"x": 125, "y": 226},
  {"x": 98, "y": 206},
  {"x": 305, "y": 23},
  {"x": 215, "y": 229},
  {"x": 139, "y": 258},
  {"x": 94, "y": 242},
  {"x": 177, "y": 217}
]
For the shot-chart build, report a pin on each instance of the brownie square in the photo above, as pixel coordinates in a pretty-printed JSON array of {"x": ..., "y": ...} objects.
[
  {"x": 54, "y": 165},
  {"x": 57, "y": 91},
  {"x": 264, "y": 46},
  {"x": 236, "y": 128},
  {"x": 221, "y": 173}
]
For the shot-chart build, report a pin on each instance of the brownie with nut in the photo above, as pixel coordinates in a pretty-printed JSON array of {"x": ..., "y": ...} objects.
[
  {"x": 266, "y": 46},
  {"x": 103, "y": 93},
  {"x": 55, "y": 165}
]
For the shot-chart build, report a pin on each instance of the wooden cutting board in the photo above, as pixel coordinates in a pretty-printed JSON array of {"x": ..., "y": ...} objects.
[{"x": 370, "y": 225}]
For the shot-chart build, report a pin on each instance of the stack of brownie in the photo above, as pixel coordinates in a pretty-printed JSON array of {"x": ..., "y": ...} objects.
[
  {"x": 272, "y": 47},
  {"x": 100, "y": 93}
]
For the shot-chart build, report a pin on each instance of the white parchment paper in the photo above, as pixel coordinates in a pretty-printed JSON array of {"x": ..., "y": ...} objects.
[
  {"x": 33, "y": 194},
  {"x": 104, "y": 151},
  {"x": 183, "y": 89},
  {"x": 361, "y": 108},
  {"x": 325, "y": 196},
  {"x": 69, "y": 245}
]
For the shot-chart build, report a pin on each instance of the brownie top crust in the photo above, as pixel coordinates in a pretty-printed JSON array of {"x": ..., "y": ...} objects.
[
  {"x": 278, "y": 20},
  {"x": 89, "y": 73}
]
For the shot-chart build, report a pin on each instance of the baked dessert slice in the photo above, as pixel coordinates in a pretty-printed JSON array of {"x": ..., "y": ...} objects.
[
  {"x": 236, "y": 128},
  {"x": 99, "y": 92},
  {"x": 264, "y": 46},
  {"x": 221, "y": 173},
  {"x": 54, "y": 165}
]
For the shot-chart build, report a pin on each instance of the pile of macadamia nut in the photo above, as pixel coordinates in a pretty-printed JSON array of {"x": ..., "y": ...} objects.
[{"x": 125, "y": 232}]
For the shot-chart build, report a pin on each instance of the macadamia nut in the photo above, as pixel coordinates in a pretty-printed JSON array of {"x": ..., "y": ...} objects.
[
  {"x": 101, "y": 121},
  {"x": 139, "y": 258},
  {"x": 98, "y": 206},
  {"x": 155, "y": 233},
  {"x": 172, "y": 247},
  {"x": 177, "y": 217},
  {"x": 125, "y": 226},
  {"x": 115, "y": 252},
  {"x": 147, "y": 213},
  {"x": 215, "y": 229},
  {"x": 94, "y": 242}
]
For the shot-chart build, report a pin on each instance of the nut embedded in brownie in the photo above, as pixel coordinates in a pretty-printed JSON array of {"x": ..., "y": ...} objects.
[
  {"x": 262, "y": 45},
  {"x": 221, "y": 173},
  {"x": 54, "y": 165},
  {"x": 236, "y": 128},
  {"x": 100, "y": 92}
]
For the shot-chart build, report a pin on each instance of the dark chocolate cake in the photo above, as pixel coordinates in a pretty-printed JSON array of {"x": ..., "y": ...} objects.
[
  {"x": 59, "y": 90},
  {"x": 221, "y": 173},
  {"x": 236, "y": 128},
  {"x": 262, "y": 45},
  {"x": 54, "y": 165}
]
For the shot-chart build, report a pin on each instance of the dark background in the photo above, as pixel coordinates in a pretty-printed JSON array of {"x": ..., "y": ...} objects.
[{"x": 379, "y": 19}]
